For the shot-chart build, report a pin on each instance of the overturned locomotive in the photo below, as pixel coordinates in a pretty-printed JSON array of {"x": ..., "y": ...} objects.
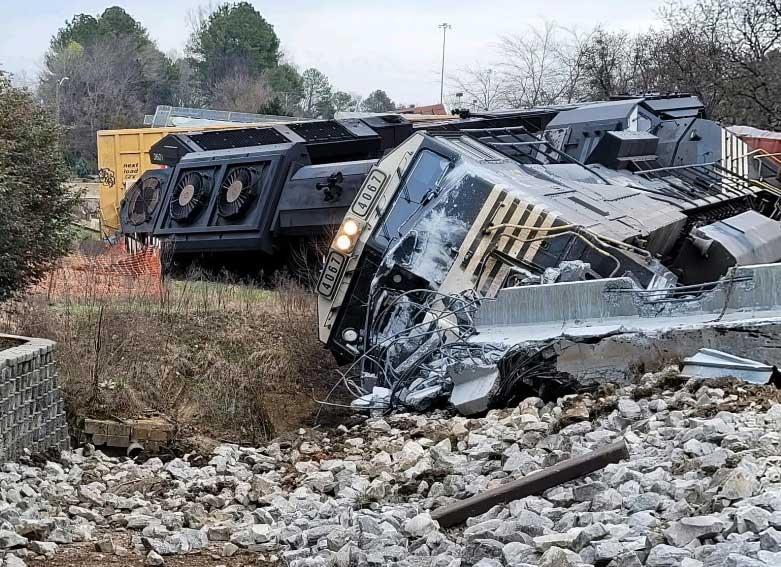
[
  {"x": 525, "y": 250},
  {"x": 253, "y": 190}
]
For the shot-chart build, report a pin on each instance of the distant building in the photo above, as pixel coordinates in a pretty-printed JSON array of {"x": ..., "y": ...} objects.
[{"x": 434, "y": 109}]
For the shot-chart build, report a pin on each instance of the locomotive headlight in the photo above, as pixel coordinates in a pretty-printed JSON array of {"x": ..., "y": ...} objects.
[
  {"x": 347, "y": 237},
  {"x": 343, "y": 243},
  {"x": 350, "y": 227},
  {"x": 350, "y": 335}
]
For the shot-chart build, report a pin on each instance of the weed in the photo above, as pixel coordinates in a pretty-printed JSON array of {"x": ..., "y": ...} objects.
[{"x": 237, "y": 362}]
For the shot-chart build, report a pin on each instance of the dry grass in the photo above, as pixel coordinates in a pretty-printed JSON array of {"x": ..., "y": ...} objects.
[{"x": 232, "y": 361}]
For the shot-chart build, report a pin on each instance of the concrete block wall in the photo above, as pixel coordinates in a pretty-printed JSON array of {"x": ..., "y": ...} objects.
[{"x": 32, "y": 410}]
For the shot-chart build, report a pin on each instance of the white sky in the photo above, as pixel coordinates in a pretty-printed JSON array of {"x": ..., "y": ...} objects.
[{"x": 360, "y": 45}]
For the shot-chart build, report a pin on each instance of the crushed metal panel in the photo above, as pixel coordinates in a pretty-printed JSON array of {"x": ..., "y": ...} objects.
[
  {"x": 710, "y": 363},
  {"x": 744, "y": 239},
  {"x": 548, "y": 311},
  {"x": 614, "y": 331},
  {"x": 565, "y": 301}
]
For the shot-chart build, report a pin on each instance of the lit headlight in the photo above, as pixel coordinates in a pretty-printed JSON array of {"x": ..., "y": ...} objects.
[
  {"x": 343, "y": 243},
  {"x": 347, "y": 237},
  {"x": 350, "y": 227}
]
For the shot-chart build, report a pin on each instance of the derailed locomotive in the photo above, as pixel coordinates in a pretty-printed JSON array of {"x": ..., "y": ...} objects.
[
  {"x": 253, "y": 190},
  {"x": 529, "y": 222}
]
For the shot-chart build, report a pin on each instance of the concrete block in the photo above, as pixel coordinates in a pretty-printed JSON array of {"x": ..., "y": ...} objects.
[
  {"x": 31, "y": 405},
  {"x": 473, "y": 386},
  {"x": 116, "y": 440},
  {"x": 95, "y": 427},
  {"x": 117, "y": 429}
]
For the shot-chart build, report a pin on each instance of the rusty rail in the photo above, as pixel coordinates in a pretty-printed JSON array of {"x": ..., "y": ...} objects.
[{"x": 532, "y": 484}]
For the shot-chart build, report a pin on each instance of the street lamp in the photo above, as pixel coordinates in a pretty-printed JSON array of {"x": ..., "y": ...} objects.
[
  {"x": 444, "y": 27},
  {"x": 57, "y": 95}
]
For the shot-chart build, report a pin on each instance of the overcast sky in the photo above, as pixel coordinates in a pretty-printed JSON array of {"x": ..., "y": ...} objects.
[{"x": 361, "y": 45}]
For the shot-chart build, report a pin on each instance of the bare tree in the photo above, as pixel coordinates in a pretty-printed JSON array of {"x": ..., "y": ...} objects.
[
  {"x": 109, "y": 85},
  {"x": 728, "y": 52},
  {"x": 610, "y": 63},
  {"x": 482, "y": 85},
  {"x": 240, "y": 92},
  {"x": 185, "y": 86},
  {"x": 541, "y": 66}
]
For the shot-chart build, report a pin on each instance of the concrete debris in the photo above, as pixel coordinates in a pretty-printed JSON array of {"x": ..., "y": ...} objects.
[
  {"x": 378, "y": 399},
  {"x": 473, "y": 387},
  {"x": 375, "y": 493},
  {"x": 566, "y": 337},
  {"x": 567, "y": 271},
  {"x": 710, "y": 363}
]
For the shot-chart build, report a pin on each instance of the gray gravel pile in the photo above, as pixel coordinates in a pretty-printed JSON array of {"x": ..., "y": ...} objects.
[{"x": 702, "y": 489}]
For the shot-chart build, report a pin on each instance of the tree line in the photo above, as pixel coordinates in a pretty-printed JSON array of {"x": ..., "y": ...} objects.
[
  {"x": 104, "y": 72},
  {"x": 727, "y": 52}
]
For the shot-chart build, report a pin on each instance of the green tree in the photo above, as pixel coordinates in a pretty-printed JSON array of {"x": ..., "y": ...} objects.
[
  {"x": 82, "y": 29},
  {"x": 34, "y": 204},
  {"x": 104, "y": 72},
  {"x": 85, "y": 30},
  {"x": 315, "y": 94},
  {"x": 342, "y": 101},
  {"x": 378, "y": 101},
  {"x": 234, "y": 36},
  {"x": 287, "y": 89}
]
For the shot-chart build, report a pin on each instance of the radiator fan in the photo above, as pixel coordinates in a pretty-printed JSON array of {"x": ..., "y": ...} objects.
[
  {"x": 238, "y": 190},
  {"x": 189, "y": 196},
  {"x": 143, "y": 198}
]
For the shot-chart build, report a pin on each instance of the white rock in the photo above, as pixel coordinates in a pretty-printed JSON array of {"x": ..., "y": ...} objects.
[
  {"x": 683, "y": 531},
  {"x": 14, "y": 561},
  {"x": 154, "y": 559},
  {"x": 752, "y": 519},
  {"x": 421, "y": 525},
  {"x": 9, "y": 539},
  {"x": 46, "y": 548},
  {"x": 557, "y": 557},
  {"x": 629, "y": 409},
  {"x": 516, "y": 553},
  {"x": 666, "y": 556}
]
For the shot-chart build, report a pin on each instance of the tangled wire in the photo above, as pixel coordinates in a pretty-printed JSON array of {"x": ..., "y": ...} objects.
[{"x": 410, "y": 339}]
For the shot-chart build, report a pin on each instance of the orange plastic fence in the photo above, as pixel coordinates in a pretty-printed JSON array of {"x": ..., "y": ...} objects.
[{"x": 110, "y": 271}]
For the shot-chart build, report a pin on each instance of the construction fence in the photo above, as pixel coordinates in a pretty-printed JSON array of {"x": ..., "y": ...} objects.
[{"x": 101, "y": 270}]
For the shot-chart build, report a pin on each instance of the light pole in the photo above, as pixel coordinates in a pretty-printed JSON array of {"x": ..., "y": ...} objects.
[
  {"x": 57, "y": 95},
  {"x": 444, "y": 26}
]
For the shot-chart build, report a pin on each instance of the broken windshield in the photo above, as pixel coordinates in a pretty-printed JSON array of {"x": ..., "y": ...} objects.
[{"x": 424, "y": 176}]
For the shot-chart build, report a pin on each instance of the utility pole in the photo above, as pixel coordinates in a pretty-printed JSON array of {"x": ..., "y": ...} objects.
[
  {"x": 444, "y": 26},
  {"x": 57, "y": 96}
]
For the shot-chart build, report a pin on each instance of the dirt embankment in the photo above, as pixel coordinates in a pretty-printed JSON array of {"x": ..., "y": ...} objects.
[{"x": 232, "y": 362}]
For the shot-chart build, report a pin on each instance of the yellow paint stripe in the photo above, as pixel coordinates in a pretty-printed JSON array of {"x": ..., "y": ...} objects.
[
  {"x": 485, "y": 239},
  {"x": 503, "y": 244}
]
